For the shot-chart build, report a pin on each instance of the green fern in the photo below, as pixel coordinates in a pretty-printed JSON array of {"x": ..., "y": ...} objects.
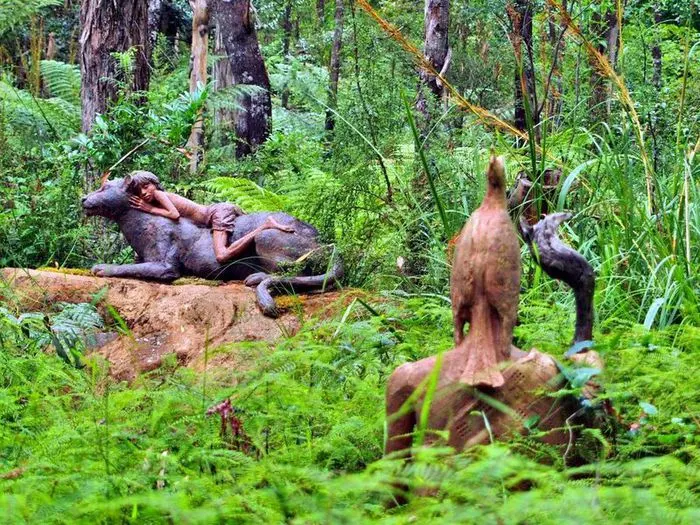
[
  {"x": 61, "y": 80},
  {"x": 247, "y": 194},
  {"x": 51, "y": 117}
]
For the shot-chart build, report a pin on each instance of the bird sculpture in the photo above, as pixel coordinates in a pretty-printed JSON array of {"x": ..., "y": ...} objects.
[{"x": 485, "y": 284}]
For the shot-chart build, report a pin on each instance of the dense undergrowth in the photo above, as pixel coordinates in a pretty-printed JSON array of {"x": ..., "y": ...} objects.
[{"x": 78, "y": 447}]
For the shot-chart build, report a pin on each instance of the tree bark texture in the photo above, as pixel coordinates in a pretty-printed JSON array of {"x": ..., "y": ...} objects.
[
  {"x": 254, "y": 122},
  {"x": 223, "y": 79},
  {"x": 155, "y": 11},
  {"x": 108, "y": 27},
  {"x": 607, "y": 31},
  {"x": 520, "y": 13},
  {"x": 334, "y": 69},
  {"x": 198, "y": 74},
  {"x": 436, "y": 51}
]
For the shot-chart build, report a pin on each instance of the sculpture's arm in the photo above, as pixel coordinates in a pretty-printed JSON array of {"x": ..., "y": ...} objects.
[
  {"x": 167, "y": 209},
  {"x": 162, "y": 271}
]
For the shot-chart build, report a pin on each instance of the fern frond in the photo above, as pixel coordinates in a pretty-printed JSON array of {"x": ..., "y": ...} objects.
[
  {"x": 52, "y": 116},
  {"x": 247, "y": 194},
  {"x": 61, "y": 80}
]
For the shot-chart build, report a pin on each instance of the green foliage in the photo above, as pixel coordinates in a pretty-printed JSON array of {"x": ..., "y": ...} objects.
[
  {"x": 313, "y": 413},
  {"x": 246, "y": 194},
  {"x": 77, "y": 447},
  {"x": 16, "y": 12}
]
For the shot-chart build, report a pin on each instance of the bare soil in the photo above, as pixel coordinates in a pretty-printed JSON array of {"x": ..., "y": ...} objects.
[{"x": 181, "y": 319}]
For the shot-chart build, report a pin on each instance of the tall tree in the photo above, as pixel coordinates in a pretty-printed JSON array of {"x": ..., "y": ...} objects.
[
  {"x": 155, "y": 11},
  {"x": 253, "y": 122},
  {"x": 198, "y": 74},
  {"x": 321, "y": 11},
  {"x": 555, "y": 81},
  {"x": 521, "y": 13},
  {"x": 334, "y": 69},
  {"x": 223, "y": 79},
  {"x": 606, "y": 27},
  {"x": 437, "y": 52},
  {"x": 108, "y": 27}
]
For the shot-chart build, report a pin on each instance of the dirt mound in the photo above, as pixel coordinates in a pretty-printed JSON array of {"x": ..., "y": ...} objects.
[{"x": 181, "y": 319}]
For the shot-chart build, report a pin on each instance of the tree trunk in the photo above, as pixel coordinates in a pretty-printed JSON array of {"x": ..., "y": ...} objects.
[
  {"x": 656, "y": 53},
  {"x": 109, "y": 27},
  {"x": 223, "y": 79},
  {"x": 286, "y": 42},
  {"x": 51, "y": 47},
  {"x": 521, "y": 13},
  {"x": 198, "y": 74},
  {"x": 321, "y": 11},
  {"x": 436, "y": 50},
  {"x": 334, "y": 70},
  {"x": 155, "y": 11},
  {"x": 254, "y": 122},
  {"x": 607, "y": 29},
  {"x": 555, "y": 84}
]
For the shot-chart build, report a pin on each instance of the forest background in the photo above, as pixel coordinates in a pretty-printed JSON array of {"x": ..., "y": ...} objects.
[{"x": 332, "y": 111}]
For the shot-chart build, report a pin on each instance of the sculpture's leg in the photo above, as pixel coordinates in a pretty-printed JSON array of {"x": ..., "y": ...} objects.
[
  {"x": 273, "y": 284},
  {"x": 256, "y": 278},
  {"x": 150, "y": 270}
]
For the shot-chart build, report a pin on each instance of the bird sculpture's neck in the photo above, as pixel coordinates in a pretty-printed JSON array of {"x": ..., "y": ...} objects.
[{"x": 495, "y": 184}]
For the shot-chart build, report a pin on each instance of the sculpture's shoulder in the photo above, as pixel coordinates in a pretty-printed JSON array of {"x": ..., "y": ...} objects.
[{"x": 410, "y": 375}]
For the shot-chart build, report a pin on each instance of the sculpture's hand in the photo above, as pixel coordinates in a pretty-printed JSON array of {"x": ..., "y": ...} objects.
[{"x": 140, "y": 204}]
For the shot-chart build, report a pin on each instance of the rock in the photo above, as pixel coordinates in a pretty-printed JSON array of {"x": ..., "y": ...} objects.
[{"x": 162, "y": 319}]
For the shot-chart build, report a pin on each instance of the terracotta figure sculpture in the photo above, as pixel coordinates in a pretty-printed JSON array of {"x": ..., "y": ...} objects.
[
  {"x": 167, "y": 249},
  {"x": 477, "y": 414},
  {"x": 485, "y": 284}
]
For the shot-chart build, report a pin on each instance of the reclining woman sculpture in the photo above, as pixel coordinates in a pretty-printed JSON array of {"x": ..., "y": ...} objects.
[
  {"x": 168, "y": 249},
  {"x": 485, "y": 377}
]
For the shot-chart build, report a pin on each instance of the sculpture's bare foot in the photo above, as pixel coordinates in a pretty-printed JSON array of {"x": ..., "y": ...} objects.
[
  {"x": 255, "y": 279},
  {"x": 274, "y": 223}
]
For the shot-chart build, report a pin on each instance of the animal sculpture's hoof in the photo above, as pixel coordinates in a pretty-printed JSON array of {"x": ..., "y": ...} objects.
[
  {"x": 265, "y": 300},
  {"x": 255, "y": 279},
  {"x": 99, "y": 270}
]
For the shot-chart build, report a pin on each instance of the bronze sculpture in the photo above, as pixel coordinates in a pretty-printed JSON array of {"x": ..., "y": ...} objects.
[
  {"x": 467, "y": 406},
  {"x": 167, "y": 249}
]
